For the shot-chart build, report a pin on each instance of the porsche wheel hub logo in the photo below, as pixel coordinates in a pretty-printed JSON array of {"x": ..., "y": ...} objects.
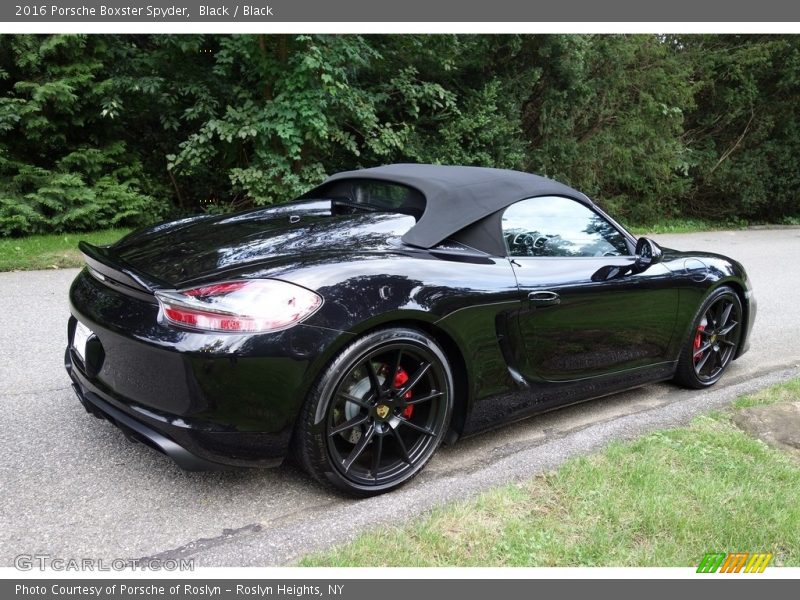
[{"x": 382, "y": 410}]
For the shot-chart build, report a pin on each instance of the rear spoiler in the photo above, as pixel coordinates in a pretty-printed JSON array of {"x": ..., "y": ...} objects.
[{"x": 105, "y": 266}]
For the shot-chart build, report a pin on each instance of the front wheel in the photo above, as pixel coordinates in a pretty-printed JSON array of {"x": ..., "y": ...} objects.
[
  {"x": 378, "y": 412},
  {"x": 713, "y": 340}
]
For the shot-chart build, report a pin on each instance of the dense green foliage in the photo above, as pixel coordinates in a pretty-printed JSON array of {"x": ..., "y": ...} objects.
[
  {"x": 106, "y": 131},
  {"x": 64, "y": 161}
]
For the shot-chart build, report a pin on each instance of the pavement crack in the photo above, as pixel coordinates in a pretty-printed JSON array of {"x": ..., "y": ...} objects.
[
  {"x": 33, "y": 392},
  {"x": 201, "y": 544},
  {"x": 231, "y": 535}
]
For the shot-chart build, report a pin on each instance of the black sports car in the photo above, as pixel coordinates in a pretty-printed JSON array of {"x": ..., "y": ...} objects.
[{"x": 384, "y": 312}]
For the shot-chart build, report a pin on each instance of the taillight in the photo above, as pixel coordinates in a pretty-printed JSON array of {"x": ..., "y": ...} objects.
[{"x": 255, "y": 305}]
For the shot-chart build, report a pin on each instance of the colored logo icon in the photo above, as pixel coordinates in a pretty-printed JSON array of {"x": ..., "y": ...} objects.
[{"x": 734, "y": 562}]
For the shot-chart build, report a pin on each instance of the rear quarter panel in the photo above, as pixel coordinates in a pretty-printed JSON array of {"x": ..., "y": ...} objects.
[{"x": 469, "y": 304}]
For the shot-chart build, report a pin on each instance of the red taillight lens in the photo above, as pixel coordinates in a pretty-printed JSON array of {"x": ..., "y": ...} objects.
[{"x": 255, "y": 305}]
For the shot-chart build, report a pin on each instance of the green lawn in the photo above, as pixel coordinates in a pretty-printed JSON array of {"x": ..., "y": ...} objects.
[
  {"x": 684, "y": 226},
  {"x": 50, "y": 251},
  {"x": 663, "y": 500}
]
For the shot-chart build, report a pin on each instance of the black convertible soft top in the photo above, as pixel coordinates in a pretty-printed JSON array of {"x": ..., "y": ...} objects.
[{"x": 455, "y": 197}]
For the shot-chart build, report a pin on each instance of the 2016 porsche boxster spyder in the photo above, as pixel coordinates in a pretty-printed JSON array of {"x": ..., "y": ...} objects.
[{"x": 386, "y": 311}]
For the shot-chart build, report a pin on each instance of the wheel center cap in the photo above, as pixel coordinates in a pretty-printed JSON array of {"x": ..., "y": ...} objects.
[
  {"x": 382, "y": 411},
  {"x": 713, "y": 338}
]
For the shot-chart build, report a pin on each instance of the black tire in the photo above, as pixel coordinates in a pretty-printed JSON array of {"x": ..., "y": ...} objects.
[
  {"x": 712, "y": 341},
  {"x": 377, "y": 414}
]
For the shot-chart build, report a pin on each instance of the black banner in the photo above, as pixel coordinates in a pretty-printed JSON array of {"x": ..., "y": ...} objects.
[
  {"x": 392, "y": 589},
  {"x": 477, "y": 11}
]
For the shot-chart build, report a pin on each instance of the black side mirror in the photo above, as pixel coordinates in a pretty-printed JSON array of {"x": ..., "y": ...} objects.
[{"x": 647, "y": 253}]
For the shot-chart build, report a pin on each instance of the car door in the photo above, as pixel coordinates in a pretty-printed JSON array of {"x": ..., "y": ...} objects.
[{"x": 587, "y": 309}]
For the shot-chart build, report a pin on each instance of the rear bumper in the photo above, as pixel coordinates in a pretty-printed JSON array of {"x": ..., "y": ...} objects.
[
  {"x": 205, "y": 400},
  {"x": 192, "y": 449},
  {"x": 139, "y": 432}
]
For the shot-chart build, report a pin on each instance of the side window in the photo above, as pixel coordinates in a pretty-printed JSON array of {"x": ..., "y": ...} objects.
[{"x": 555, "y": 226}]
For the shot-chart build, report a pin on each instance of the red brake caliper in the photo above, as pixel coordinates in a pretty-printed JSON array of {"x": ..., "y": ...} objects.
[
  {"x": 400, "y": 380},
  {"x": 698, "y": 339}
]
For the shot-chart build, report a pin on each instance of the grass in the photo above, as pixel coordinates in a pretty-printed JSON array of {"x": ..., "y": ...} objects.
[
  {"x": 50, "y": 251},
  {"x": 686, "y": 226},
  {"x": 663, "y": 500},
  {"x": 785, "y": 392}
]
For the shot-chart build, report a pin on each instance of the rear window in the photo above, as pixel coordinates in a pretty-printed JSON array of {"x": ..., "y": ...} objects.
[{"x": 381, "y": 195}]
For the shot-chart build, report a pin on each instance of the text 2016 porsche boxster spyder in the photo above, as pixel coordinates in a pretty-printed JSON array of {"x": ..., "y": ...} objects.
[{"x": 384, "y": 312}]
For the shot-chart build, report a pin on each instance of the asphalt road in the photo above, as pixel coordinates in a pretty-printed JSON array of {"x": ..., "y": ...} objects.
[{"x": 71, "y": 486}]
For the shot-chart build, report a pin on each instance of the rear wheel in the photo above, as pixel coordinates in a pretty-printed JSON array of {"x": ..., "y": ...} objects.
[
  {"x": 713, "y": 341},
  {"x": 378, "y": 413}
]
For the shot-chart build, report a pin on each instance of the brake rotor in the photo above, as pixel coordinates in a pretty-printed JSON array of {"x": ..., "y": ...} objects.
[{"x": 351, "y": 409}]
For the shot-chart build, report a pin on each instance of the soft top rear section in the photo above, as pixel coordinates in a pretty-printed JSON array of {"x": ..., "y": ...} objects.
[{"x": 453, "y": 198}]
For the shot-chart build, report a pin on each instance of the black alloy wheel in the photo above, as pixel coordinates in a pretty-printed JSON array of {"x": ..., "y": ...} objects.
[
  {"x": 379, "y": 412},
  {"x": 713, "y": 341}
]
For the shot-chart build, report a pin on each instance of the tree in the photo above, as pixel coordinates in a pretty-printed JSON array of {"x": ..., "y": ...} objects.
[
  {"x": 63, "y": 164},
  {"x": 122, "y": 130},
  {"x": 745, "y": 131},
  {"x": 606, "y": 115}
]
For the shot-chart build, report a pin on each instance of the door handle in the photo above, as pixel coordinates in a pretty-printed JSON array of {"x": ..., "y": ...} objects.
[{"x": 544, "y": 298}]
